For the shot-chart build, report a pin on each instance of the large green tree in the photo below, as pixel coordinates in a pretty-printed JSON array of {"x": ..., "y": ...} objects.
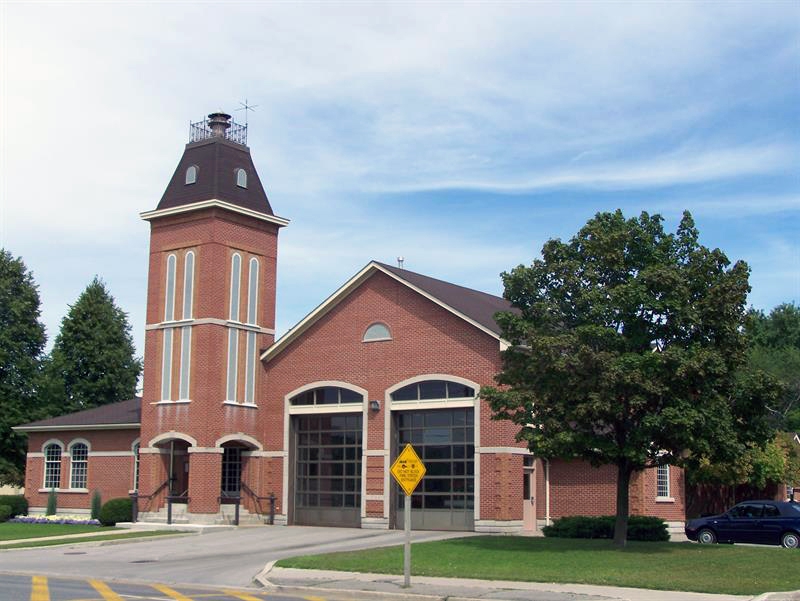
[
  {"x": 625, "y": 350},
  {"x": 775, "y": 349},
  {"x": 93, "y": 360},
  {"x": 22, "y": 339}
]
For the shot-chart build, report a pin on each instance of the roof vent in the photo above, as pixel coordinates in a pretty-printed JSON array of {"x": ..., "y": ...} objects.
[{"x": 218, "y": 123}]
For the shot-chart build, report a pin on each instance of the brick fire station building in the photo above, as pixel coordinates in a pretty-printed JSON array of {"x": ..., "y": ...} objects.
[{"x": 316, "y": 417}]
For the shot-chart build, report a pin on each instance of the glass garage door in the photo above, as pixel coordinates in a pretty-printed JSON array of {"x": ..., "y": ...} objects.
[
  {"x": 327, "y": 480},
  {"x": 444, "y": 440}
]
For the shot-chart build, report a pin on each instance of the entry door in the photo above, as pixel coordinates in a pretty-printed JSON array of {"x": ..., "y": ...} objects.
[{"x": 529, "y": 495}]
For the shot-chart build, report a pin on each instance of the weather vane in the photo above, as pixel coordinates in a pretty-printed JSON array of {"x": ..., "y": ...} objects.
[{"x": 246, "y": 107}]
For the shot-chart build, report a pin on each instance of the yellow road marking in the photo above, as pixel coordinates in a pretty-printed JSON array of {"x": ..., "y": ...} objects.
[
  {"x": 314, "y": 598},
  {"x": 243, "y": 596},
  {"x": 102, "y": 588},
  {"x": 170, "y": 593},
  {"x": 39, "y": 590}
]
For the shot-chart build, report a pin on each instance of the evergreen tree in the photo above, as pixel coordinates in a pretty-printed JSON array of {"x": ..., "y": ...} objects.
[
  {"x": 627, "y": 349},
  {"x": 93, "y": 360},
  {"x": 22, "y": 339}
]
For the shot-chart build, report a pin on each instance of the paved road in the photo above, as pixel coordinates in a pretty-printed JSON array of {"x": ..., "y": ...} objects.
[
  {"x": 16, "y": 587},
  {"x": 229, "y": 558}
]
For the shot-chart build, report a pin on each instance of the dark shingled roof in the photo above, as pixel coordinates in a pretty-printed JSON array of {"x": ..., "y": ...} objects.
[
  {"x": 478, "y": 306},
  {"x": 216, "y": 159},
  {"x": 122, "y": 412}
]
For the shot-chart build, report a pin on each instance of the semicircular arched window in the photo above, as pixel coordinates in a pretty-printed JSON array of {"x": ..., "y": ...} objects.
[
  {"x": 377, "y": 331},
  {"x": 191, "y": 175},
  {"x": 241, "y": 178},
  {"x": 429, "y": 390},
  {"x": 327, "y": 395}
]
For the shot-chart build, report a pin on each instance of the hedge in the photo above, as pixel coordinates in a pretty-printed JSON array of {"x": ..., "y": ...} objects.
[
  {"x": 639, "y": 528},
  {"x": 116, "y": 510},
  {"x": 5, "y": 512},
  {"x": 17, "y": 503}
]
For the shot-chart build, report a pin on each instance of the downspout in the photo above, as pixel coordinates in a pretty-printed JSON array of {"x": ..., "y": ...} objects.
[{"x": 547, "y": 492}]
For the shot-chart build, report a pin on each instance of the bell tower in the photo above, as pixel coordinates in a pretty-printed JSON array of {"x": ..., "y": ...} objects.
[{"x": 210, "y": 311}]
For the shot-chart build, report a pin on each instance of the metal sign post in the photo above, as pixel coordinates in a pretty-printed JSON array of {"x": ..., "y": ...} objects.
[{"x": 408, "y": 470}]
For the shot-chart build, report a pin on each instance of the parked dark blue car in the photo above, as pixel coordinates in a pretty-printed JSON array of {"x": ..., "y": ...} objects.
[{"x": 763, "y": 522}]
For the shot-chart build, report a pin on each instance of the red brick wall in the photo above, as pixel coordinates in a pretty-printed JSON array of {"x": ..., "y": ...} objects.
[
  {"x": 112, "y": 476},
  {"x": 577, "y": 488},
  {"x": 213, "y": 235},
  {"x": 426, "y": 339}
]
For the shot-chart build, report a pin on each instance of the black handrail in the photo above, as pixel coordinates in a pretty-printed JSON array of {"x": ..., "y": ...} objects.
[
  {"x": 258, "y": 499},
  {"x": 135, "y": 500}
]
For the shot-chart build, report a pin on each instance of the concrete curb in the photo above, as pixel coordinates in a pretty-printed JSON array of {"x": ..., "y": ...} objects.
[{"x": 357, "y": 585}]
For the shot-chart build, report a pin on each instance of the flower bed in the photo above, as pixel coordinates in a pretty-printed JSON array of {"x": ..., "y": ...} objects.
[{"x": 79, "y": 520}]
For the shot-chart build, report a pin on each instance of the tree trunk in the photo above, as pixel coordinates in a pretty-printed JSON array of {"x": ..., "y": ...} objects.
[{"x": 623, "y": 487}]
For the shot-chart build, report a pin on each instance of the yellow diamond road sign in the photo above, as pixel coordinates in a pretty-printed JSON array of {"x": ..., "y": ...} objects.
[{"x": 408, "y": 469}]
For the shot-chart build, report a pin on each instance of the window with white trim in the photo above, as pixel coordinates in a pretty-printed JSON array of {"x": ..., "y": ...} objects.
[
  {"x": 52, "y": 466},
  {"x": 241, "y": 178},
  {"x": 250, "y": 370},
  {"x": 236, "y": 283},
  {"x": 433, "y": 390},
  {"x": 662, "y": 481},
  {"x": 169, "y": 300},
  {"x": 191, "y": 175},
  {"x": 78, "y": 465},
  {"x": 186, "y": 357},
  {"x": 166, "y": 366},
  {"x": 377, "y": 331},
  {"x": 188, "y": 285},
  {"x": 252, "y": 292},
  {"x": 136, "y": 465},
  {"x": 233, "y": 363},
  {"x": 327, "y": 395}
]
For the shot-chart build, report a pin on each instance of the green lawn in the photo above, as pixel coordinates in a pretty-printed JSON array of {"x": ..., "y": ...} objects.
[
  {"x": 667, "y": 566},
  {"x": 118, "y": 535},
  {"x": 13, "y": 531}
]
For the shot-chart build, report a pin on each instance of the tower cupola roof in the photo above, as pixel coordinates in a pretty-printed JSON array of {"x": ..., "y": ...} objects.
[{"x": 216, "y": 167}]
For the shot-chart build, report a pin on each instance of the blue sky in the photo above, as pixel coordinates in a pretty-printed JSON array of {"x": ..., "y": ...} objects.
[{"x": 460, "y": 136}]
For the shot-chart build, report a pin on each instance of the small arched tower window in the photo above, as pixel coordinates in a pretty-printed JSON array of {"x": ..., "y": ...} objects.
[
  {"x": 241, "y": 178},
  {"x": 191, "y": 174},
  {"x": 377, "y": 331}
]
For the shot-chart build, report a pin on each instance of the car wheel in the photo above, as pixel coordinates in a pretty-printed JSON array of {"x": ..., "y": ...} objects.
[
  {"x": 790, "y": 540},
  {"x": 706, "y": 537}
]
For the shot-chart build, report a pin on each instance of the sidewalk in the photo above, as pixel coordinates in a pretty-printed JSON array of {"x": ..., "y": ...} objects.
[{"x": 390, "y": 587}]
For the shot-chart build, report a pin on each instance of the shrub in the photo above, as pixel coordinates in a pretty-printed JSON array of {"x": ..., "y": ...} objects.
[
  {"x": 97, "y": 505},
  {"x": 52, "y": 502},
  {"x": 17, "y": 503},
  {"x": 116, "y": 510},
  {"x": 5, "y": 512},
  {"x": 639, "y": 528}
]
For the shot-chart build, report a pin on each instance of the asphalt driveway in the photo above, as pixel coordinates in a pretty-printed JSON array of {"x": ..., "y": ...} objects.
[{"x": 220, "y": 558}]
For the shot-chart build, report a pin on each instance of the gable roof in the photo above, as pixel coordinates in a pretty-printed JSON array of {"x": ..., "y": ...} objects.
[
  {"x": 120, "y": 415},
  {"x": 473, "y": 306}
]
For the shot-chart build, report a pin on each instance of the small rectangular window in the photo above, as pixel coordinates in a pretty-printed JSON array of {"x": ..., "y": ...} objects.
[
  {"x": 79, "y": 466},
  {"x": 52, "y": 466}
]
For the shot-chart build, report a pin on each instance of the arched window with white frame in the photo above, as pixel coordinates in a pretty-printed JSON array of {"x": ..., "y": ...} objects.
[
  {"x": 236, "y": 284},
  {"x": 78, "y": 465},
  {"x": 169, "y": 299},
  {"x": 376, "y": 332},
  {"x": 191, "y": 175},
  {"x": 241, "y": 178},
  {"x": 188, "y": 285},
  {"x": 52, "y": 465}
]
